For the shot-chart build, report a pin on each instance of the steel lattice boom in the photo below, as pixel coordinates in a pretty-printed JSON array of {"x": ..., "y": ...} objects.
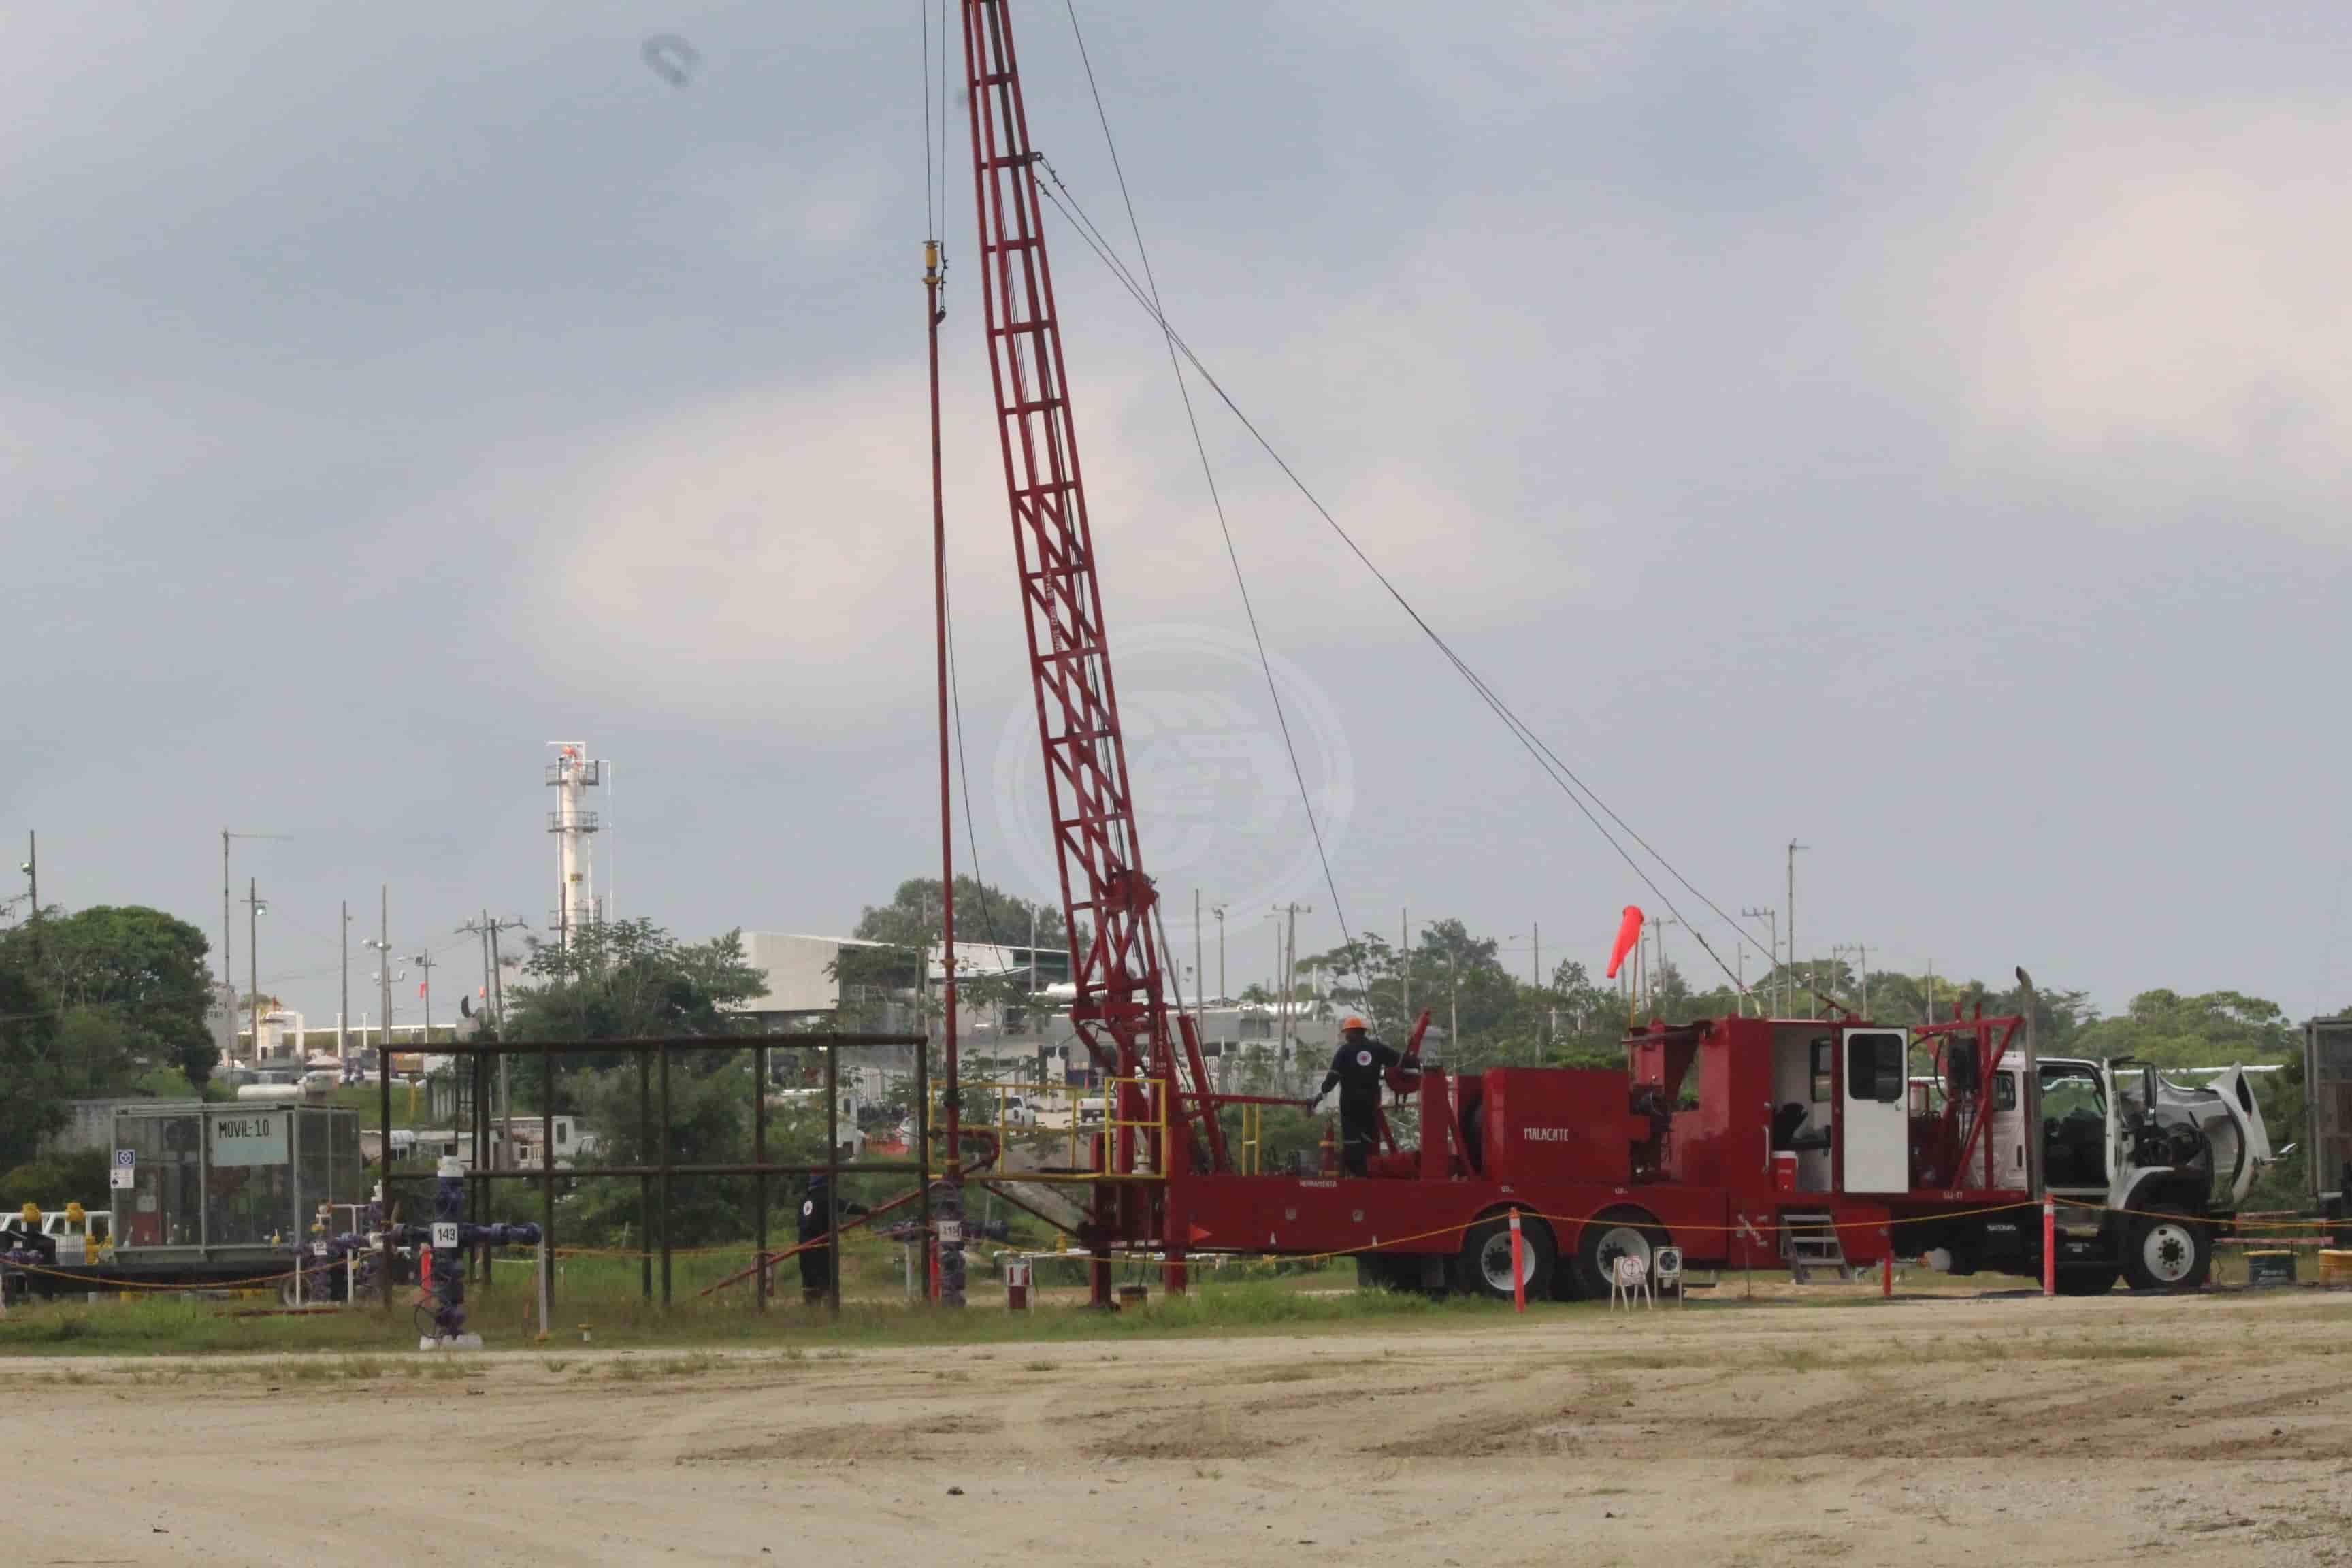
[{"x": 1115, "y": 961}]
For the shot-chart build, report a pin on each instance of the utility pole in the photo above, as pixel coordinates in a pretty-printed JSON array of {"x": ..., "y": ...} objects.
[
  {"x": 343, "y": 1019},
  {"x": 1658, "y": 981},
  {"x": 253, "y": 907},
  {"x": 1535, "y": 937},
  {"x": 1772, "y": 958},
  {"x": 383, "y": 1085},
  {"x": 1404, "y": 956},
  {"x": 1453, "y": 1004},
  {"x": 228, "y": 967},
  {"x": 499, "y": 972},
  {"x": 948, "y": 1214},
  {"x": 383, "y": 947},
  {"x": 481, "y": 931},
  {"x": 1289, "y": 963},
  {"x": 1862, "y": 970},
  {"x": 1219, "y": 910},
  {"x": 1793, "y": 848},
  {"x": 423, "y": 960},
  {"x": 32, "y": 869},
  {"x": 1200, "y": 954}
]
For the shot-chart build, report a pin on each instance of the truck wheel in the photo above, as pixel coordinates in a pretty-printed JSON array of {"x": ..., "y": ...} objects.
[
  {"x": 2079, "y": 1281},
  {"x": 2168, "y": 1250},
  {"x": 1485, "y": 1266},
  {"x": 1612, "y": 1235}
]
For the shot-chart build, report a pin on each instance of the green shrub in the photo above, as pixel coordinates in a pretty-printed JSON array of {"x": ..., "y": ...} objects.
[{"x": 54, "y": 1181}]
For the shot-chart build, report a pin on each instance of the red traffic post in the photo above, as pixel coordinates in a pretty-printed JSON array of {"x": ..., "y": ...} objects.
[
  {"x": 2049, "y": 1247},
  {"x": 1887, "y": 1272},
  {"x": 1518, "y": 1265}
]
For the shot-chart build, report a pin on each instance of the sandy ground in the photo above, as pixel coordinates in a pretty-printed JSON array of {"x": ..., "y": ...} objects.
[{"x": 2017, "y": 1431}]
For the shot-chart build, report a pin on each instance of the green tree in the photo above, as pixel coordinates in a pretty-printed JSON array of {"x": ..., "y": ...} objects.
[
  {"x": 626, "y": 978},
  {"x": 633, "y": 979},
  {"x": 1585, "y": 1020},
  {"x": 2214, "y": 1029},
  {"x": 33, "y": 1084},
  {"x": 132, "y": 983},
  {"x": 983, "y": 913},
  {"x": 1366, "y": 978},
  {"x": 1461, "y": 980}
]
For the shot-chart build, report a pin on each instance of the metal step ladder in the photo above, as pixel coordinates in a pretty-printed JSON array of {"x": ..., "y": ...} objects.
[{"x": 1812, "y": 1241}]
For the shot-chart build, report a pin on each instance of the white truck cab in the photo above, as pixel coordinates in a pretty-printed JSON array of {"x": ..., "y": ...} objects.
[{"x": 2161, "y": 1162}]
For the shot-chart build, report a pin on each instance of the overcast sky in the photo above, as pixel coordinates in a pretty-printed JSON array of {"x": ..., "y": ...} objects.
[{"x": 1913, "y": 430}]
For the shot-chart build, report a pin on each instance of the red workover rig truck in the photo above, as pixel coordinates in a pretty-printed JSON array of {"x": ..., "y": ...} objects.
[{"x": 1780, "y": 1143}]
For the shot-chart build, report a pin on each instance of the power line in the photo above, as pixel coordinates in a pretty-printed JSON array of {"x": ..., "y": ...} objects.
[
  {"x": 1562, "y": 777},
  {"x": 1208, "y": 472}
]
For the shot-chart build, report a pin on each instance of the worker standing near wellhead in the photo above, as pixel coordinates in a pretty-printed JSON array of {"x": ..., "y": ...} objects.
[
  {"x": 815, "y": 1257},
  {"x": 1356, "y": 1069}
]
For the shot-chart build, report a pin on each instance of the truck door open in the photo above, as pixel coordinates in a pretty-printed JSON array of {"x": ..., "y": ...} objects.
[
  {"x": 1874, "y": 1128},
  {"x": 2075, "y": 1121}
]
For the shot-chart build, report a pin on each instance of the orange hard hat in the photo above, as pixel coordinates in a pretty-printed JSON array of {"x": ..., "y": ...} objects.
[{"x": 1350, "y": 1022}]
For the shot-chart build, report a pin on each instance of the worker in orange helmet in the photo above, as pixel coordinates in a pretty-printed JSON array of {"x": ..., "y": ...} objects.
[{"x": 1356, "y": 1069}]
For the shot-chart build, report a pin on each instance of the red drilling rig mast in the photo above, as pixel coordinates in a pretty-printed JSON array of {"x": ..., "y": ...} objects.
[
  {"x": 1523, "y": 1176},
  {"x": 1108, "y": 903}
]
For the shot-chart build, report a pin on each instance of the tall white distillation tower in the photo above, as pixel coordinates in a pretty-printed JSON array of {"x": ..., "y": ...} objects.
[{"x": 576, "y": 905}]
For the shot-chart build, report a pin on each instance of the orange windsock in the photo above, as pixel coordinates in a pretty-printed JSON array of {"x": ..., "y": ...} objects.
[{"x": 1629, "y": 931}]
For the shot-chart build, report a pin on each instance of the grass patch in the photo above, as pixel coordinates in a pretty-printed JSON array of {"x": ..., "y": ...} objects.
[
  {"x": 602, "y": 1296},
  {"x": 695, "y": 1363}
]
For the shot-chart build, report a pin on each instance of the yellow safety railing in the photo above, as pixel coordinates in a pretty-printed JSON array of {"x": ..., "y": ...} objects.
[{"x": 1028, "y": 1118}]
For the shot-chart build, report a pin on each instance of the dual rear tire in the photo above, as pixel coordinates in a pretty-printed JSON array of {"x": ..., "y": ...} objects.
[
  {"x": 1609, "y": 1236},
  {"x": 1484, "y": 1266}
]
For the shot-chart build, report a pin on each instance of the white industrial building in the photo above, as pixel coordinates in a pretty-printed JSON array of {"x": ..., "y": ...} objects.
[
  {"x": 1025, "y": 1044},
  {"x": 802, "y": 984}
]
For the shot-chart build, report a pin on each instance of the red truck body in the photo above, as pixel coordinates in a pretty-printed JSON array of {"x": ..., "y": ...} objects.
[{"x": 1680, "y": 1145}]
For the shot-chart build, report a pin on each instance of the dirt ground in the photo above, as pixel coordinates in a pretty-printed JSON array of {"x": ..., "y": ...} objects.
[{"x": 1921, "y": 1432}]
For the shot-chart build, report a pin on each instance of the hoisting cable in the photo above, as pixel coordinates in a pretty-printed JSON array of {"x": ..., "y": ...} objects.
[
  {"x": 931, "y": 223},
  {"x": 1562, "y": 777},
  {"x": 1208, "y": 472}
]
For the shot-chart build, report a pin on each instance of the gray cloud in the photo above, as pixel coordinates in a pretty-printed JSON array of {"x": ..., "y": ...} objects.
[{"x": 1909, "y": 432}]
